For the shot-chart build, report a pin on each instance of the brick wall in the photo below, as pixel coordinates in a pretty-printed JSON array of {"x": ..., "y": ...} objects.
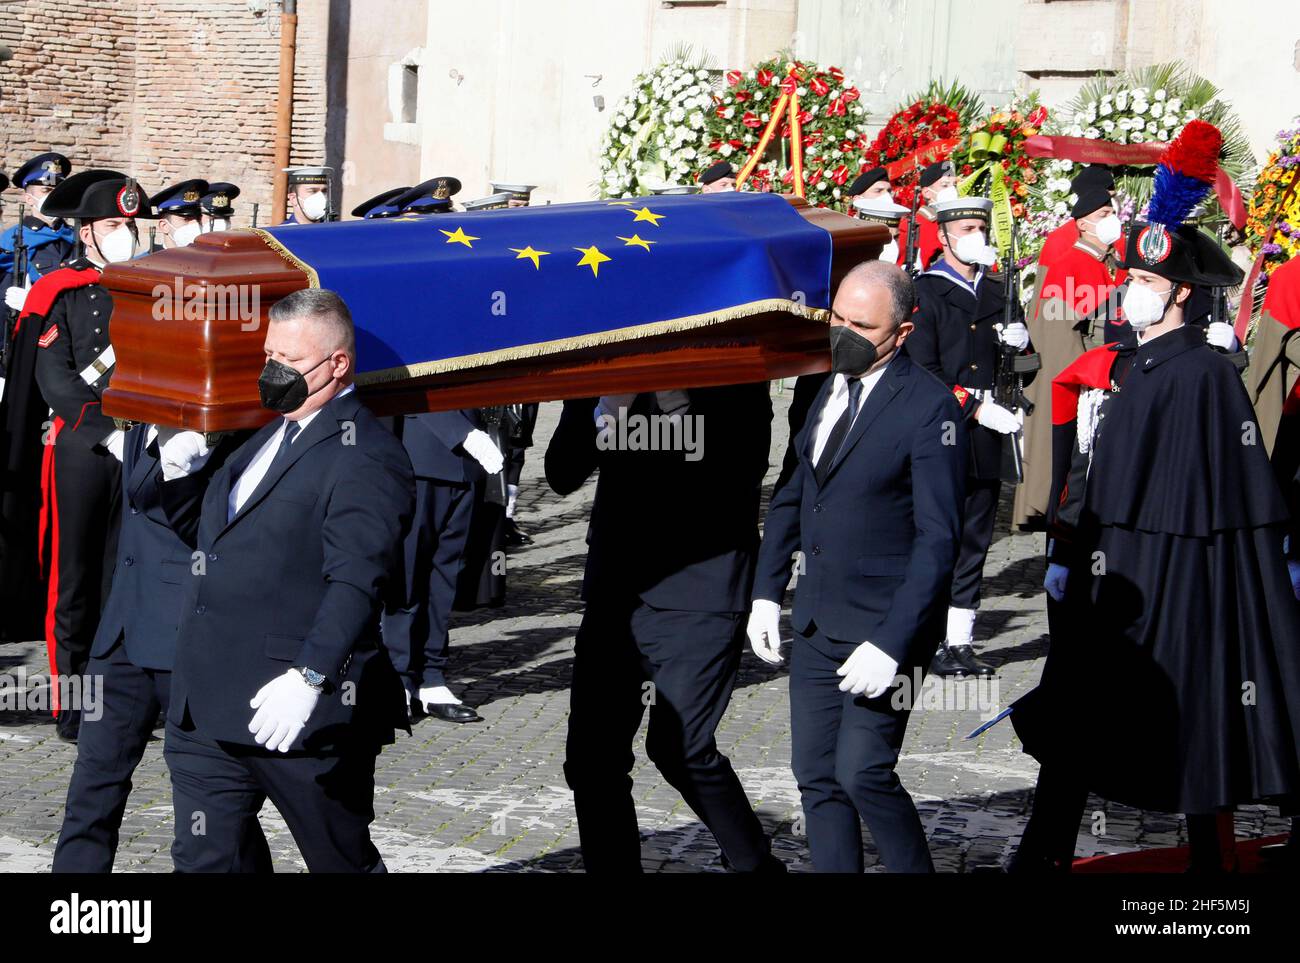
[{"x": 162, "y": 89}]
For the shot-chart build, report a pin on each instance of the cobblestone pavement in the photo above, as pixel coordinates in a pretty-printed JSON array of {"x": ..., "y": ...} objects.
[{"x": 491, "y": 796}]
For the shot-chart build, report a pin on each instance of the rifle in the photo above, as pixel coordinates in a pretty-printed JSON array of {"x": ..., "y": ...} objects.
[
  {"x": 1012, "y": 366},
  {"x": 20, "y": 279},
  {"x": 255, "y": 214},
  {"x": 913, "y": 236}
]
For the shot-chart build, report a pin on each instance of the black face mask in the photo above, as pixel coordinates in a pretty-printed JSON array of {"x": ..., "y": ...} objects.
[
  {"x": 283, "y": 388},
  {"x": 851, "y": 353}
]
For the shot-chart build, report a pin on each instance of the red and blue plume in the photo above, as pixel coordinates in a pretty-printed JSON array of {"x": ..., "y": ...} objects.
[{"x": 1185, "y": 174}]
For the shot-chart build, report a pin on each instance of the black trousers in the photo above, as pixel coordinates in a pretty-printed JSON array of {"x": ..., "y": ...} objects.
[
  {"x": 843, "y": 752},
  {"x": 1060, "y": 803},
  {"x": 683, "y": 666},
  {"x": 1053, "y": 828},
  {"x": 110, "y": 745},
  {"x": 417, "y": 633},
  {"x": 515, "y": 465},
  {"x": 218, "y": 789},
  {"x": 976, "y": 537},
  {"x": 88, "y": 504}
]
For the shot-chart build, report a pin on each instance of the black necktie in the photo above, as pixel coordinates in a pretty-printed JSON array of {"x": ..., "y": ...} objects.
[
  {"x": 839, "y": 431},
  {"x": 291, "y": 429}
]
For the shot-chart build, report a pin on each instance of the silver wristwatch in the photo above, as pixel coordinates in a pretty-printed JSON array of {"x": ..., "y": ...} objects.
[{"x": 310, "y": 676}]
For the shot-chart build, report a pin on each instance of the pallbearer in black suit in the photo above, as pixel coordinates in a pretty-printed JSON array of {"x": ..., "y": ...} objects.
[
  {"x": 74, "y": 361},
  {"x": 282, "y": 688},
  {"x": 670, "y": 561},
  {"x": 959, "y": 336},
  {"x": 452, "y": 457},
  {"x": 872, "y": 514},
  {"x": 132, "y": 658},
  {"x": 180, "y": 212}
]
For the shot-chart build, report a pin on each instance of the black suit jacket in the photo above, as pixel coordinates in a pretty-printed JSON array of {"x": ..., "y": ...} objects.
[
  {"x": 676, "y": 533},
  {"x": 879, "y": 537},
  {"x": 433, "y": 441},
  {"x": 296, "y": 578},
  {"x": 150, "y": 580}
]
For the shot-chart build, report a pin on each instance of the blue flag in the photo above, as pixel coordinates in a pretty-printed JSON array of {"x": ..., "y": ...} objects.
[{"x": 443, "y": 292}]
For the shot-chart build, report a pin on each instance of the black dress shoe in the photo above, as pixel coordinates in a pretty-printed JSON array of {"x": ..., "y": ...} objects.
[
  {"x": 965, "y": 655},
  {"x": 946, "y": 665},
  {"x": 67, "y": 725},
  {"x": 452, "y": 712},
  {"x": 515, "y": 536}
]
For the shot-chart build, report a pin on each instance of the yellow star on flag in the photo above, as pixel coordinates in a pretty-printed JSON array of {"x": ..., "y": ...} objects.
[
  {"x": 645, "y": 214},
  {"x": 459, "y": 236},
  {"x": 528, "y": 253},
  {"x": 635, "y": 241},
  {"x": 592, "y": 258}
]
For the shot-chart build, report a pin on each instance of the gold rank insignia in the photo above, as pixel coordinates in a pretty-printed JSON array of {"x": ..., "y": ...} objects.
[
  {"x": 220, "y": 200},
  {"x": 191, "y": 196}
]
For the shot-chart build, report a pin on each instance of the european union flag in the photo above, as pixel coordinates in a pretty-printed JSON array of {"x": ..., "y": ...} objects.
[{"x": 444, "y": 292}]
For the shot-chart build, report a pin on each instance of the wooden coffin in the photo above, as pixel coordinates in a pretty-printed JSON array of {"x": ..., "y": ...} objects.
[{"x": 200, "y": 371}]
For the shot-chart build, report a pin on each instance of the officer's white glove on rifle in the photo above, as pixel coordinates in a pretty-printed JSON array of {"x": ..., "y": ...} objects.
[
  {"x": 1219, "y": 334},
  {"x": 1015, "y": 335},
  {"x": 181, "y": 452},
  {"x": 998, "y": 419},
  {"x": 482, "y": 449},
  {"x": 764, "y": 630},
  {"x": 867, "y": 670},
  {"x": 16, "y": 297}
]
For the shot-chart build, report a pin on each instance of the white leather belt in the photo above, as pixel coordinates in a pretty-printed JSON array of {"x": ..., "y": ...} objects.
[{"x": 97, "y": 368}]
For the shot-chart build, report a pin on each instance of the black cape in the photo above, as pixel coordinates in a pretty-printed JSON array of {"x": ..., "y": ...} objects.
[
  {"x": 23, "y": 414},
  {"x": 1173, "y": 677}
]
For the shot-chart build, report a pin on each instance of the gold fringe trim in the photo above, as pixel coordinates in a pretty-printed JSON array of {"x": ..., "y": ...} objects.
[
  {"x": 313, "y": 279},
  {"x": 543, "y": 348}
]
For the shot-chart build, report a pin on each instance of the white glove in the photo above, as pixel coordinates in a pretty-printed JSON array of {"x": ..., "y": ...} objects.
[
  {"x": 1054, "y": 582},
  {"x": 16, "y": 297},
  {"x": 115, "y": 442},
  {"x": 867, "y": 670},
  {"x": 1015, "y": 335},
  {"x": 283, "y": 707},
  {"x": 764, "y": 630},
  {"x": 1219, "y": 334},
  {"x": 672, "y": 402},
  {"x": 998, "y": 419},
  {"x": 181, "y": 452},
  {"x": 611, "y": 405},
  {"x": 483, "y": 449}
]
